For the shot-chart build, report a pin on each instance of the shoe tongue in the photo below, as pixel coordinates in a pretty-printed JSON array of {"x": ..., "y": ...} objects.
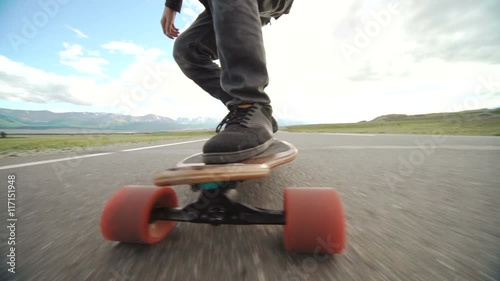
[{"x": 240, "y": 113}]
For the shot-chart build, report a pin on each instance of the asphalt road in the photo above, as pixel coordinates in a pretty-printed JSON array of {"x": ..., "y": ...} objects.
[{"x": 417, "y": 208}]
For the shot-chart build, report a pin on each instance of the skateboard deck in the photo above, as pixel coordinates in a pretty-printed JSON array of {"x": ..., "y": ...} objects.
[{"x": 192, "y": 169}]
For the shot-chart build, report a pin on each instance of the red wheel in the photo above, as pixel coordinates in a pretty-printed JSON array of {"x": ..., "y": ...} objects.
[
  {"x": 126, "y": 216},
  {"x": 314, "y": 221}
]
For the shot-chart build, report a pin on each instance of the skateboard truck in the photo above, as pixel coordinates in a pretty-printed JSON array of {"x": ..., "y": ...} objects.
[
  {"x": 214, "y": 207},
  {"x": 224, "y": 186}
]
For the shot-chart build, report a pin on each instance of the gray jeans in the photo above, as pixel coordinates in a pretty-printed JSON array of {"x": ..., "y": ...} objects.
[{"x": 231, "y": 31}]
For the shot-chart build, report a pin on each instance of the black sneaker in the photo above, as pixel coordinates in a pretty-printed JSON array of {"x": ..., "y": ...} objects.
[
  {"x": 248, "y": 132},
  {"x": 275, "y": 124}
]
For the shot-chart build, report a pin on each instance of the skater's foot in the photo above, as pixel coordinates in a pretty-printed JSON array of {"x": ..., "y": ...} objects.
[
  {"x": 275, "y": 124},
  {"x": 248, "y": 131}
]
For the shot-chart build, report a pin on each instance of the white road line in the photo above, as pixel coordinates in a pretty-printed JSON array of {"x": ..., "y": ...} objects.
[
  {"x": 162, "y": 145},
  {"x": 349, "y": 134},
  {"x": 449, "y": 147},
  {"x": 91, "y": 155},
  {"x": 330, "y": 134},
  {"x": 52, "y": 161}
]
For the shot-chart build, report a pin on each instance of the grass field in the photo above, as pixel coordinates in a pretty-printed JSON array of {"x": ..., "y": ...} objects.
[
  {"x": 477, "y": 122},
  {"x": 44, "y": 142},
  {"x": 484, "y": 122}
]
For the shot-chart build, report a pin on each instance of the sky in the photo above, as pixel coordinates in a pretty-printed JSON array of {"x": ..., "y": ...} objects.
[{"x": 328, "y": 61}]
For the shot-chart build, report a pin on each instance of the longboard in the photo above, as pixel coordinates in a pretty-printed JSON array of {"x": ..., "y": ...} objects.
[
  {"x": 192, "y": 169},
  {"x": 313, "y": 218}
]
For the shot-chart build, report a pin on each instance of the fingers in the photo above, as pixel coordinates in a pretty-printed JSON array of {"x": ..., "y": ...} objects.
[
  {"x": 174, "y": 31},
  {"x": 169, "y": 34},
  {"x": 169, "y": 29}
]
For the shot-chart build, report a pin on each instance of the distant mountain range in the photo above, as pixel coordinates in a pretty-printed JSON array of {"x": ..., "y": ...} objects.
[{"x": 37, "y": 120}]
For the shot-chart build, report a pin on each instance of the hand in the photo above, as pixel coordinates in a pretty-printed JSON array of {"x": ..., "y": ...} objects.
[{"x": 167, "y": 23}]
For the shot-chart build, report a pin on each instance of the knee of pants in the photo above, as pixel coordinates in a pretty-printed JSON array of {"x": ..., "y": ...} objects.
[{"x": 181, "y": 52}]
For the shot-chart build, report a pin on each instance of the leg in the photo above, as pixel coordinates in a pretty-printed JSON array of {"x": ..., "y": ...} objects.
[
  {"x": 195, "y": 50},
  {"x": 249, "y": 125},
  {"x": 238, "y": 33}
]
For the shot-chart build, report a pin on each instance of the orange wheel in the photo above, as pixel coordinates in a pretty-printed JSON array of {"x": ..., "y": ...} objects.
[
  {"x": 126, "y": 216},
  {"x": 314, "y": 221}
]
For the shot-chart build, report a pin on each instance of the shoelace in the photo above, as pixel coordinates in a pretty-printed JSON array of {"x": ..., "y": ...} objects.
[{"x": 236, "y": 115}]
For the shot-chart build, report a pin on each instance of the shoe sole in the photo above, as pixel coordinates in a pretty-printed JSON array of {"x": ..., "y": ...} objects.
[{"x": 236, "y": 156}]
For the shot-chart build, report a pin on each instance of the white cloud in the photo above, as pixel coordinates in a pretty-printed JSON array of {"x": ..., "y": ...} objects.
[
  {"x": 190, "y": 12},
  {"x": 71, "y": 51},
  {"x": 129, "y": 48},
  {"x": 194, "y": 5},
  {"x": 93, "y": 53},
  {"x": 78, "y": 32},
  {"x": 123, "y": 47},
  {"x": 24, "y": 83},
  {"x": 74, "y": 57}
]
